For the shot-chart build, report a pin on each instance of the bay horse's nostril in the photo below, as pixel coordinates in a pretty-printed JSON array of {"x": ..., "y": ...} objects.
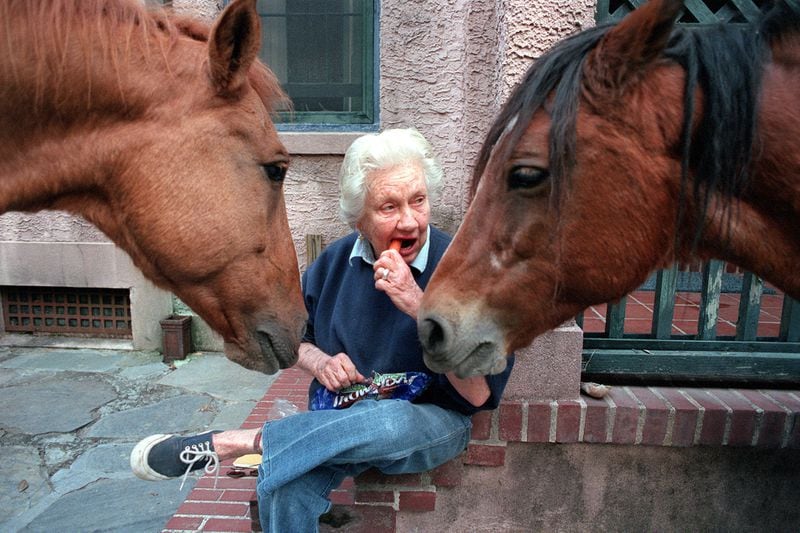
[{"x": 433, "y": 335}]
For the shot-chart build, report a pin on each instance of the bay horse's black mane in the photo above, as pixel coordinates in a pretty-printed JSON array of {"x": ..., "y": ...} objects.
[{"x": 725, "y": 60}]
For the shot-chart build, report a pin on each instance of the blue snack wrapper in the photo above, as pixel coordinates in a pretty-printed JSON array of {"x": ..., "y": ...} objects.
[{"x": 394, "y": 386}]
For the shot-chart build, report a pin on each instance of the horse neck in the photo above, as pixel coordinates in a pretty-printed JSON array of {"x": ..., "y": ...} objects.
[
  {"x": 761, "y": 234},
  {"x": 66, "y": 102},
  {"x": 40, "y": 173}
]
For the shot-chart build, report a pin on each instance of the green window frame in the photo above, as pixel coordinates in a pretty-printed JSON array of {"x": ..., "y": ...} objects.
[{"x": 324, "y": 55}]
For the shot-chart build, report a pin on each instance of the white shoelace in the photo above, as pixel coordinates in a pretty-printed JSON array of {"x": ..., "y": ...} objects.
[{"x": 191, "y": 454}]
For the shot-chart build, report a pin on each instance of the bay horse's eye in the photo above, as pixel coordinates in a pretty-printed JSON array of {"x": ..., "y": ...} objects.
[
  {"x": 275, "y": 172},
  {"x": 526, "y": 177}
]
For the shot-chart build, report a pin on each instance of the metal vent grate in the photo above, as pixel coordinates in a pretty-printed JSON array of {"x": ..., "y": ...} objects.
[{"x": 64, "y": 310}]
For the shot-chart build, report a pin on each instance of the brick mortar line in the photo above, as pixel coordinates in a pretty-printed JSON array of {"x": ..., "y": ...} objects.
[
  {"x": 488, "y": 442},
  {"x": 524, "y": 425},
  {"x": 671, "y": 415},
  {"x": 701, "y": 412},
  {"x": 759, "y": 417},
  {"x": 611, "y": 418},
  {"x": 220, "y": 490},
  {"x": 243, "y": 500},
  {"x": 494, "y": 425},
  {"x": 393, "y": 505},
  {"x": 551, "y": 436},
  {"x": 726, "y": 432},
  {"x": 641, "y": 416},
  {"x": 426, "y": 479}
]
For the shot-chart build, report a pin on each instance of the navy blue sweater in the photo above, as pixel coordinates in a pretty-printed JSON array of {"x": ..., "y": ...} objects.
[{"x": 346, "y": 313}]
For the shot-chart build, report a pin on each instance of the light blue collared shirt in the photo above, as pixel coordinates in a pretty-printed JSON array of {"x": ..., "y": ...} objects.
[{"x": 363, "y": 249}]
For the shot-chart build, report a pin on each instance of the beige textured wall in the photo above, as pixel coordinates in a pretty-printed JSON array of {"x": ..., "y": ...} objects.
[{"x": 47, "y": 226}]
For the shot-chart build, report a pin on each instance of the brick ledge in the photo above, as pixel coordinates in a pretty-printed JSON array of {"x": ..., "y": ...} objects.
[{"x": 658, "y": 416}]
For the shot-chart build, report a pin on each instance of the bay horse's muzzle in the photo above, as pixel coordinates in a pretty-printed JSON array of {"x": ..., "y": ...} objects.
[{"x": 461, "y": 346}]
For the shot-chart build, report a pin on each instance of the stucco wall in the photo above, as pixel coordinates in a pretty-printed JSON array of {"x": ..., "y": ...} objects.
[
  {"x": 591, "y": 487},
  {"x": 47, "y": 226}
]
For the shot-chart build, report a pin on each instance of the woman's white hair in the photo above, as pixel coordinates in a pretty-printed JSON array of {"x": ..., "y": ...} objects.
[{"x": 378, "y": 151}]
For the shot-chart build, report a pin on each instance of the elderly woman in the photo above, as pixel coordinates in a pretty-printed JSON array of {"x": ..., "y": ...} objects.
[{"x": 362, "y": 296}]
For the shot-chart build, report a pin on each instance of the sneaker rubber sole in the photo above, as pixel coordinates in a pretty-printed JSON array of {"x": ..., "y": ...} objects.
[{"x": 139, "y": 456}]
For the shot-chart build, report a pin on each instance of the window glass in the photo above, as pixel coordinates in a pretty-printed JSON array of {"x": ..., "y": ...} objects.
[{"x": 322, "y": 51}]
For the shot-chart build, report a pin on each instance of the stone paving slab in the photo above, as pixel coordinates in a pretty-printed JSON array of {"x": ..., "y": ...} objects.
[
  {"x": 106, "y": 506},
  {"x": 231, "y": 415},
  {"x": 69, "y": 419},
  {"x": 23, "y": 480},
  {"x": 219, "y": 378},
  {"x": 53, "y": 405},
  {"x": 80, "y": 360},
  {"x": 188, "y": 412}
]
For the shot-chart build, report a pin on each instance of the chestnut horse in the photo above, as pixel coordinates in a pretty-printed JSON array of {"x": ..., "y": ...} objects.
[
  {"x": 157, "y": 130},
  {"x": 624, "y": 149}
]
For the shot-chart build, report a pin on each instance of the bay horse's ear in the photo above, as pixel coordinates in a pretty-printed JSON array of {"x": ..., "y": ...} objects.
[
  {"x": 233, "y": 46},
  {"x": 622, "y": 55}
]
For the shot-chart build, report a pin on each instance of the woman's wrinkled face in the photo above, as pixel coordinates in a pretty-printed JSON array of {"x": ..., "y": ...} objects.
[{"x": 396, "y": 207}]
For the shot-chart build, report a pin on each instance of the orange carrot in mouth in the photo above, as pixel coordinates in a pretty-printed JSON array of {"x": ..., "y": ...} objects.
[{"x": 395, "y": 245}]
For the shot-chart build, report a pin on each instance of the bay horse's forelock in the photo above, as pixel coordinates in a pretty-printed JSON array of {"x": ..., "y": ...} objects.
[
  {"x": 604, "y": 112},
  {"x": 157, "y": 130}
]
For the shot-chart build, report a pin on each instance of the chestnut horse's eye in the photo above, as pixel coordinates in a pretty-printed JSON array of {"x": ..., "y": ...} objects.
[
  {"x": 275, "y": 172},
  {"x": 526, "y": 177}
]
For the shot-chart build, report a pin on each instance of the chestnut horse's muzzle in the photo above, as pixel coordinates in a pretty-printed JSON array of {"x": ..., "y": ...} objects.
[
  {"x": 270, "y": 347},
  {"x": 277, "y": 349}
]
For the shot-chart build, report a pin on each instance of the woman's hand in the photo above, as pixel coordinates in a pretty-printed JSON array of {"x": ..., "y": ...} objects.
[
  {"x": 333, "y": 372},
  {"x": 473, "y": 389},
  {"x": 393, "y": 276}
]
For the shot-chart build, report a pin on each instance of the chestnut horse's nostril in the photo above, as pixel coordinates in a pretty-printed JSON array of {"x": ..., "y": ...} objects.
[
  {"x": 276, "y": 347},
  {"x": 433, "y": 335}
]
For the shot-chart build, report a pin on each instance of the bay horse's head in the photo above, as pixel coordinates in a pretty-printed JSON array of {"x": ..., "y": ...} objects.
[
  {"x": 158, "y": 130},
  {"x": 586, "y": 183}
]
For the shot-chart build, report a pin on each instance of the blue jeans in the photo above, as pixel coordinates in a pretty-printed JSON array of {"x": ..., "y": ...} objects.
[{"x": 309, "y": 454}]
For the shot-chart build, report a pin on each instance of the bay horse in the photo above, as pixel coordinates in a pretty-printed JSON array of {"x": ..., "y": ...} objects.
[
  {"x": 625, "y": 148},
  {"x": 157, "y": 129}
]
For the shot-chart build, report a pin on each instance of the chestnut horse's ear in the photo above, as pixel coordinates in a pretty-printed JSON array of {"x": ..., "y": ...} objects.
[
  {"x": 624, "y": 52},
  {"x": 233, "y": 46}
]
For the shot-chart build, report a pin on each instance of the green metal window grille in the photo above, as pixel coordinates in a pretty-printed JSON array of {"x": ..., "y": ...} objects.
[{"x": 323, "y": 53}]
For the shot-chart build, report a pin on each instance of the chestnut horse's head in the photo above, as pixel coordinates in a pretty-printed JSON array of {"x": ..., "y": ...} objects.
[
  {"x": 586, "y": 182},
  {"x": 158, "y": 130}
]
